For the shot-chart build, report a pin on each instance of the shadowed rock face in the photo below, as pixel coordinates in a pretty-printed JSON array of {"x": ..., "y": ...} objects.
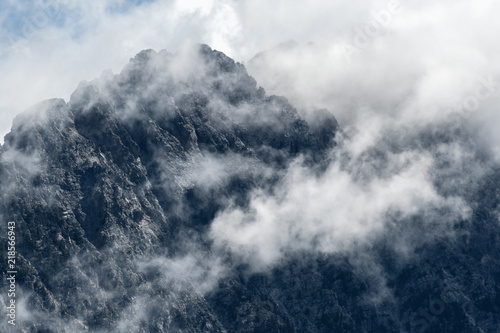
[{"x": 109, "y": 190}]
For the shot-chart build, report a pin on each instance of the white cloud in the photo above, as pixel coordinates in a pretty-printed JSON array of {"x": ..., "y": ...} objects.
[{"x": 331, "y": 213}]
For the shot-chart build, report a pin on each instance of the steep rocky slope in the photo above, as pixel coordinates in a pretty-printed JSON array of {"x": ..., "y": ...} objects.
[{"x": 113, "y": 195}]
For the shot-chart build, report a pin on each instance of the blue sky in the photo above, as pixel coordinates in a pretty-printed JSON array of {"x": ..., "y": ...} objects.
[
  {"x": 23, "y": 19},
  {"x": 127, "y": 5}
]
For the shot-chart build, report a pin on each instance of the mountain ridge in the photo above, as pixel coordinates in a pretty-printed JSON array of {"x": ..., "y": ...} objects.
[{"x": 114, "y": 194}]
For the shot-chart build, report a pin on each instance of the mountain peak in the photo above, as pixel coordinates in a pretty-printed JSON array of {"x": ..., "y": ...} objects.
[
  {"x": 123, "y": 173},
  {"x": 130, "y": 199}
]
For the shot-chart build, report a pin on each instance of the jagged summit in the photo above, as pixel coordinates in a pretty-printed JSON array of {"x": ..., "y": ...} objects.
[
  {"x": 199, "y": 68},
  {"x": 122, "y": 173}
]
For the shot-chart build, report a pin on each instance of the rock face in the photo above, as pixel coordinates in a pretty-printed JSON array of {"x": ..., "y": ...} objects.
[{"x": 113, "y": 194}]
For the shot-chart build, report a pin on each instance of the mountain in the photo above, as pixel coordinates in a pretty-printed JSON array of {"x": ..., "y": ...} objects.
[{"x": 115, "y": 193}]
